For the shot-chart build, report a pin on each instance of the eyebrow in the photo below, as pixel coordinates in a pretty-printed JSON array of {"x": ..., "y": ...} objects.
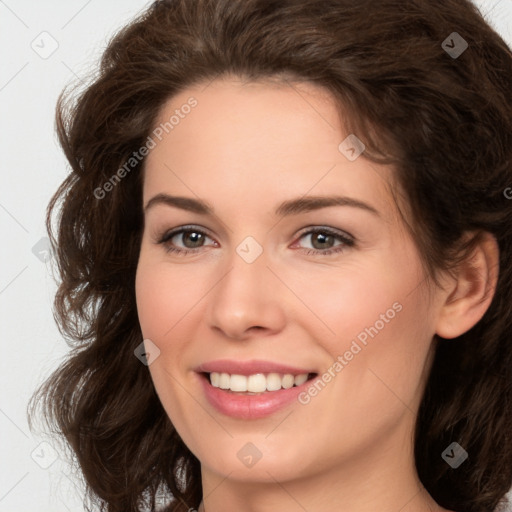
[{"x": 286, "y": 208}]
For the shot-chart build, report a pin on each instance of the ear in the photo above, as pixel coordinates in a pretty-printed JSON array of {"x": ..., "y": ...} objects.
[{"x": 471, "y": 292}]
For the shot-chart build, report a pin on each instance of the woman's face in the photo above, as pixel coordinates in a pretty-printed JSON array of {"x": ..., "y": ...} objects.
[{"x": 278, "y": 278}]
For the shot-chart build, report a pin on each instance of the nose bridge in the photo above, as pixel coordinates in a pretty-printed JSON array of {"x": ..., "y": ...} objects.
[{"x": 246, "y": 296}]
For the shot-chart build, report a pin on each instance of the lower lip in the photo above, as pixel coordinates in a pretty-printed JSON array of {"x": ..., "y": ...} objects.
[{"x": 250, "y": 407}]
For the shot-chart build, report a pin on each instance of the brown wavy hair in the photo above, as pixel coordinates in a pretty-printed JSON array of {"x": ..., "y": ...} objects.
[{"x": 444, "y": 122}]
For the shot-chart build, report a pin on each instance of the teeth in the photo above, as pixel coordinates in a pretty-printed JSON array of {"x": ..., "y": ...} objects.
[
  {"x": 215, "y": 379},
  {"x": 288, "y": 381},
  {"x": 300, "y": 379},
  {"x": 274, "y": 381},
  {"x": 238, "y": 383},
  {"x": 257, "y": 383},
  {"x": 223, "y": 380}
]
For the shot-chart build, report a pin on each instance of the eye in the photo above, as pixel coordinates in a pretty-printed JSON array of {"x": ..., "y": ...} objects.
[
  {"x": 190, "y": 237},
  {"x": 325, "y": 241}
]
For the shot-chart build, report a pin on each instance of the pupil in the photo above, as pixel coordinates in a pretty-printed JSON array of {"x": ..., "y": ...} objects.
[
  {"x": 324, "y": 239},
  {"x": 195, "y": 237}
]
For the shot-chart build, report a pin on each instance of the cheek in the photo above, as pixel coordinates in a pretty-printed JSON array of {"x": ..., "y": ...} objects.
[
  {"x": 378, "y": 330},
  {"x": 341, "y": 305},
  {"x": 159, "y": 308},
  {"x": 377, "y": 382},
  {"x": 164, "y": 295},
  {"x": 162, "y": 302},
  {"x": 382, "y": 351}
]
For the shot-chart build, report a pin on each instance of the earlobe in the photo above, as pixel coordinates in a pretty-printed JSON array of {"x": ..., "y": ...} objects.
[{"x": 473, "y": 290}]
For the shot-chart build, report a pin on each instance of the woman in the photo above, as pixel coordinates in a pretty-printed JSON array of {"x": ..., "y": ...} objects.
[{"x": 285, "y": 259}]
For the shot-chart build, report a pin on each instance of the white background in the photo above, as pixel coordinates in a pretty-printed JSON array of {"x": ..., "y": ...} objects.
[{"x": 32, "y": 167}]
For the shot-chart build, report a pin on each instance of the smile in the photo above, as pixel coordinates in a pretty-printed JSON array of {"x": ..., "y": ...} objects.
[
  {"x": 256, "y": 383},
  {"x": 251, "y": 390}
]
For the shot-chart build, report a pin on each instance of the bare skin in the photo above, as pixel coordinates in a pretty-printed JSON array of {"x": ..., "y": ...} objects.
[{"x": 244, "y": 149}]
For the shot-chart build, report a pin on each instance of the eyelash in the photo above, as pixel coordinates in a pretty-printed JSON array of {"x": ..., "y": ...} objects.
[{"x": 346, "y": 240}]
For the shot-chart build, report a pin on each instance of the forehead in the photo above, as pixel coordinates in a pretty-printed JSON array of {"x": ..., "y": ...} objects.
[{"x": 245, "y": 144}]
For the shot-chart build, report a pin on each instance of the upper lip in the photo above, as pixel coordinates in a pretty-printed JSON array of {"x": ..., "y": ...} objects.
[{"x": 248, "y": 367}]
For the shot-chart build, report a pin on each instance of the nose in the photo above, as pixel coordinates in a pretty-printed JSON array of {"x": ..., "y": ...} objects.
[{"x": 247, "y": 300}]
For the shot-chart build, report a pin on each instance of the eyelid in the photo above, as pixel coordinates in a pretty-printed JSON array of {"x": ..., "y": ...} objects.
[{"x": 313, "y": 228}]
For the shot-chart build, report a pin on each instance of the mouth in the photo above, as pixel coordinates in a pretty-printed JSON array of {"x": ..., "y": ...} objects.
[
  {"x": 255, "y": 395},
  {"x": 256, "y": 383}
]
